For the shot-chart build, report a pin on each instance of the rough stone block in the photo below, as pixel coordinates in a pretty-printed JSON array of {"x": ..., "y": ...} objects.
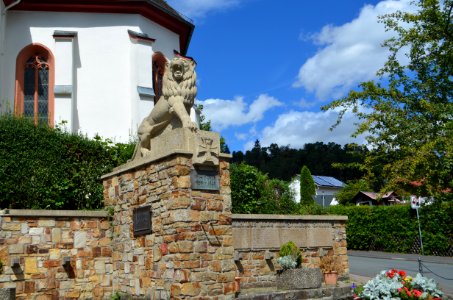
[
  {"x": 56, "y": 235},
  {"x": 11, "y": 226},
  {"x": 46, "y": 223},
  {"x": 80, "y": 239},
  {"x": 25, "y": 239},
  {"x": 54, "y": 254},
  {"x": 190, "y": 288},
  {"x": 16, "y": 249},
  {"x": 24, "y": 228},
  {"x": 31, "y": 265},
  {"x": 303, "y": 278},
  {"x": 7, "y": 293},
  {"x": 36, "y": 231},
  {"x": 72, "y": 294}
]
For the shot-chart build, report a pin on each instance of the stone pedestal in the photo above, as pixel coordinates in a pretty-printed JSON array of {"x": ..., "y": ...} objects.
[{"x": 189, "y": 252}]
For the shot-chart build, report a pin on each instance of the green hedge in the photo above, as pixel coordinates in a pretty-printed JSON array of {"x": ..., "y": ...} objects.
[
  {"x": 46, "y": 168},
  {"x": 395, "y": 228},
  {"x": 252, "y": 192}
]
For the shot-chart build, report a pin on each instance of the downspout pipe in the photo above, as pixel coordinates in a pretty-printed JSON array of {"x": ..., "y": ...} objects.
[{"x": 10, "y": 6}]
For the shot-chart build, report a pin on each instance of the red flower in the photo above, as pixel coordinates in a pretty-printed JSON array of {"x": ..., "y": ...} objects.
[
  {"x": 417, "y": 293},
  {"x": 402, "y": 273}
]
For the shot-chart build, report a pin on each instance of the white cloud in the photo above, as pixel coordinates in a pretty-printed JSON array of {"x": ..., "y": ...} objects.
[
  {"x": 240, "y": 136},
  {"x": 304, "y": 103},
  {"x": 226, "y": 113},
  {"x": 199, "y": 8},
  {"x": 351, "y": 53},
  {"x": 296, "y": 128}
]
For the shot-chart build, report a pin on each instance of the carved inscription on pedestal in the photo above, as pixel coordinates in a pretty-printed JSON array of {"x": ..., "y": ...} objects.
[{"x": 205, "y": 179}]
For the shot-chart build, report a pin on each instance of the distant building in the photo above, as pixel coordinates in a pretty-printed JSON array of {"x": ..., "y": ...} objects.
[
  {"x": 326, "y": 189},
  {"x": 374, "y": 199}
]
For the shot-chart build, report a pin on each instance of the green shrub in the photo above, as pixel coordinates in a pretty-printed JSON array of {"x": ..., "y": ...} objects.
[
  {"x": 252, "y": 192},
  {"x": 291, "y": 249},
  {"x": 395, "y": 228},
  {"x": 45, "y": 168}
]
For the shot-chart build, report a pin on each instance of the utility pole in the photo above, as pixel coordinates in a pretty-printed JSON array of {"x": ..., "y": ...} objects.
[{"x": 415, "y": 204}]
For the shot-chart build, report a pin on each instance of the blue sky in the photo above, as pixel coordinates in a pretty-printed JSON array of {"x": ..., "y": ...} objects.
[{"x": 265, "y": 67}]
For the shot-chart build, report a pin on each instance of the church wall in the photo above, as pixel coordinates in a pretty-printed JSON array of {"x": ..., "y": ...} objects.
[
  {"x": 105, "y": 98},
  {"x": 2, "y": 26}
]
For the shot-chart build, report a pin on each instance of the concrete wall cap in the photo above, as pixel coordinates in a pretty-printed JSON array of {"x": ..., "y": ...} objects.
[
  {"x": 136, "y": 164},
  {"x": 226, "y": 155},
  {"x": 54, "y": 213},
  {"x": 267, "y": 218}
]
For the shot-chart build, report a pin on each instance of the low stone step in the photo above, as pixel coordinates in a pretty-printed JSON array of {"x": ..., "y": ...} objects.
[{"x": 322, "y": 293}]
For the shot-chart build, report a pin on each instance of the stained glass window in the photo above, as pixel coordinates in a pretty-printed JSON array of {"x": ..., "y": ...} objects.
[
  {"x": 159, "y": 61},
  {"x": 36, "y": 89}
]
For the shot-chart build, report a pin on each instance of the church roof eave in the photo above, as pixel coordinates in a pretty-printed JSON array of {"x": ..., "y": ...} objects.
[{"x": 156, "y": 10}]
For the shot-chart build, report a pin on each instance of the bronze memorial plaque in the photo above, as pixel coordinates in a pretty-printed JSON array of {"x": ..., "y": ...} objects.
[
  {"x": 142, "y": 220},
  {"x": 205, "y": 179}
]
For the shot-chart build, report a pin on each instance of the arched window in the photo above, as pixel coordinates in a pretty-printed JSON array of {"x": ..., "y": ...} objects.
[
  {"x": 35, "y": 84},
  {"x": 159, "y": 61}
]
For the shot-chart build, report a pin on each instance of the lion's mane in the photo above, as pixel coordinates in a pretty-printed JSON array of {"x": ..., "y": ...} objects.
[{"x": 186, "y": 88}]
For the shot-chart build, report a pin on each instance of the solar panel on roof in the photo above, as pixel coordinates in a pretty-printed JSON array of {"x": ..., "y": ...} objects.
[{"x": 327, "y": 181}]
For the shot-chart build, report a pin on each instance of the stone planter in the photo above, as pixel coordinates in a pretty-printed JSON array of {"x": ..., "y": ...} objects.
[
  {"x": 297, "y": 279},
  {"x": 331, "y": 278}
]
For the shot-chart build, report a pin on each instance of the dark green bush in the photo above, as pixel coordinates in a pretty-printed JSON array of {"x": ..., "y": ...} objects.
[
  {"x": 46, "y": 168},
  {"x": 395, "y": 228},
  {"x": 252, "y": 192}
]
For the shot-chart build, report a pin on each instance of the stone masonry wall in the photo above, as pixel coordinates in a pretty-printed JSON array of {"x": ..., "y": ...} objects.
[
  {"x": 257, "y": 240},
  {"x": 40, "y": 242},
  {"x": 189, "y": 253},
  {"x": 195, "y": 250}
]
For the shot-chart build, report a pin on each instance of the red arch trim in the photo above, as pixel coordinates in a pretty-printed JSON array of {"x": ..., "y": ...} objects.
[{"x": 22, "y": 57}]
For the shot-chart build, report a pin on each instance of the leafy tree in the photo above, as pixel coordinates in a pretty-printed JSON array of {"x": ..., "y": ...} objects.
[
  {"x": 246, "y": 183},
  {"x": 407, "y": 113},
  {"x": 350, "y": 190},
  {"x": 253, "y": 192},
  {"x": 223, "y": 146},
  {"x": 307, "y": 187},
  {"x": 204, "y": 124},
  {"x": 283, "y": 162}
]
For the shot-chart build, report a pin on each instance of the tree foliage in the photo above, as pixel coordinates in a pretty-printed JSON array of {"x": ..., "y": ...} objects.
[
  {"x": 46, "y": 168},
  {"x": 407, "y": 113},
  {"x": 253, "y": 192},
  {"x": 284, "y": 163},
  {"x": 307, "y": 187},
  {"x": 351, "y": 189}
]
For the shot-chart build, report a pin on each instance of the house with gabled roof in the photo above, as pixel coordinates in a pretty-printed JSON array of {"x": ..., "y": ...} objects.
[
  {"x": 326, "y": 189},
  {"x": 374, "y": 199},
  {"x": 95, "y": 66}
]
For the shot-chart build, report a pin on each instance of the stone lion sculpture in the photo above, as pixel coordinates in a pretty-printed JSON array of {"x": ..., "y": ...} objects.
[{"x": 172, "y": 109}]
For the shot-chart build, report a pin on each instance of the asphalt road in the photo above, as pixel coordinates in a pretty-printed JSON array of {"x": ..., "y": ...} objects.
[{"x": 368, "y": 264}]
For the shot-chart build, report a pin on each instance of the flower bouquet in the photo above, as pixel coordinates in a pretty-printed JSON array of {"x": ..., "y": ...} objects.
[{"x": 395, "y": 284}]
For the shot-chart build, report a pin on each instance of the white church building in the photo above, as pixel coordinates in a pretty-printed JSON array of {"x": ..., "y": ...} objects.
[{"x": 95, "y": 66}]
